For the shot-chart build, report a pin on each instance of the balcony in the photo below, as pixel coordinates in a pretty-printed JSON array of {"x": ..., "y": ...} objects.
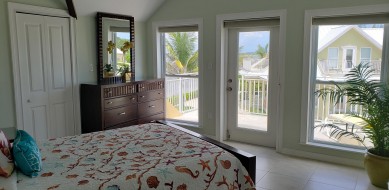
[
  {"x": 326, "y": 112},
  {"x": 182, "y": 95},
  {"x": 334, "y": 67}
]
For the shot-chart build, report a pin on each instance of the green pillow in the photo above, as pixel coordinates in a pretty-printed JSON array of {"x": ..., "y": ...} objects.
[{"x": 26, "y": 154}]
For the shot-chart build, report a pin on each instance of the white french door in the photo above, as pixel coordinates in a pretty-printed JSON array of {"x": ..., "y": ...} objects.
[
  {"x": 45, "y": 75},
  {"x": 252, "y": 90}
]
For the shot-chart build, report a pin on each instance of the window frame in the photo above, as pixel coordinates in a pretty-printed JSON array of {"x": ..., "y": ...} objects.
[
  {"x": 309, "y": 67},
  {"x": 159, "y": 67}
]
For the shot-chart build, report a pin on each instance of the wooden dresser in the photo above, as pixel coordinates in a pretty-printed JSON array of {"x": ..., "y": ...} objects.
[{"x": 113, "y": 106}]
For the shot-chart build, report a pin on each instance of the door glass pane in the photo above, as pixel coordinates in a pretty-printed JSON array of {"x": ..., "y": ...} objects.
[
  {"x": 180, "y": 57},
  {"x": 253, "y": 75},
  {"x": 338, "y": 115},
  {"x": 349, "y": 58}
]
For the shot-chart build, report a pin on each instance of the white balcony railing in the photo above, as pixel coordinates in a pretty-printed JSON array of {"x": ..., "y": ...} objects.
[
  {"x": 332, "y": 66},
  {"x": 323, "y": 107},
  {"x": 182, "y": 92},
  {"x": 252, "y": 96}
]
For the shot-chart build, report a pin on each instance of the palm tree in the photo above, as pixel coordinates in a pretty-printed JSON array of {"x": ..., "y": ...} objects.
[
  {"x": 182, "y": 57},
  {"x": 262, "y": 51},
  {"x": 373, "y": 97}
]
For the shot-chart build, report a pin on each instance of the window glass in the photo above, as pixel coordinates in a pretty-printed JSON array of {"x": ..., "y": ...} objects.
[
  {"x": 365, "y": 54},
  {"x": 342, "y": 41},
  {"x": 333, "y": 57},
  {"x": 181, "y": 66}
]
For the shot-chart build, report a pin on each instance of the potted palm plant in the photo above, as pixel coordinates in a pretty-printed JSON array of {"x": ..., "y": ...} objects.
[{"x": 373, "y": 97}]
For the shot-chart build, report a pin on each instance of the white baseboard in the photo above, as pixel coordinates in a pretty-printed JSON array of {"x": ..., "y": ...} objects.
[{"x": 322, "y": 157}]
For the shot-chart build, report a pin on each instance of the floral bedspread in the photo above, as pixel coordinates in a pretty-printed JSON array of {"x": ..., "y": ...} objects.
[{"x": 150, "y": 156}]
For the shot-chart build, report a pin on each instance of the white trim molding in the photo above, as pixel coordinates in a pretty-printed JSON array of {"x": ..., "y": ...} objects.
[
  {"x": 323, "y": 157},
  {"x": 13, "y": 9},
  {"x": 158, "y": 70},
  {"x": 309, "y": 69},
  {"x": 221, "y": 68}
]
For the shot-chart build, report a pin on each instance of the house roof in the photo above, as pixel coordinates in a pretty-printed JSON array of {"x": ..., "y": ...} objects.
[{"x": 329, "y": 34}]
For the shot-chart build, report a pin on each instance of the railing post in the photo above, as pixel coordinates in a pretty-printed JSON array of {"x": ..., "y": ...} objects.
[{"x": 180, "y": 102}]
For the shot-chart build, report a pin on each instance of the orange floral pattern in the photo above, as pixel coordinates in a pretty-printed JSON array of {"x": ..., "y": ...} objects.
[{"x": 150, "y": 156}]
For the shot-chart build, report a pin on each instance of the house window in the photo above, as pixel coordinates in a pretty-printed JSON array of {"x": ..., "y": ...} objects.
[
  {"x": 179, "y": 58},
  {"x": 365, "y": 55},
  {"x": 329, "y": 37},
  {"x": 333, "y": 56}
]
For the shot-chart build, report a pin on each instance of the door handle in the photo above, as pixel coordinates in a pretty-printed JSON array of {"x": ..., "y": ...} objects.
[
  {"x": 109, "y": 102},
  {"x": 123, "y": 113},
  {"x": 152, "y": 106},
  {"x": 229, "y": 89}
]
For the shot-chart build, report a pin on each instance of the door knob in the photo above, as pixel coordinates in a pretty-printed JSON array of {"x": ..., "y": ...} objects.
[
  {"x": 28, "y": 101},
  {"x": 229, "y": 89},
  {"x": 229, "y": 81}
]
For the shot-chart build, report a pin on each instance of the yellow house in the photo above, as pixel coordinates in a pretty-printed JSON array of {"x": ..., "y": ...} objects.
[{"x": 338, "y": 51}]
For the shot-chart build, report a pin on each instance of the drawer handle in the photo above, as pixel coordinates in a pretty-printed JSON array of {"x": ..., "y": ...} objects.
[
  {"x": 123, "y": 113},
  {"x": 132, "y": 98},
  {"x": 109, "y": 102},
  {"x": 143, "y": 96},
  {"x": 159, "y": 93},
  {"x": 152, "y": 106}
]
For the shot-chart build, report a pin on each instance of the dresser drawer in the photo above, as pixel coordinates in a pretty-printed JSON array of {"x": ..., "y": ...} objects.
[
  {"x": 154, "y": 85},
  {"x": 151, "y": 95},
  {"x": 160, "y": 116},
  {"x": 115, "y": 102},
  {"x": 120, "y": 115},
  {"x": 150, "y": 108},
  {"x": 119, "y": 91}
]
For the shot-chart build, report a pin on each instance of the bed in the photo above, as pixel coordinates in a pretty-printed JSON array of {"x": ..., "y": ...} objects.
[{"x": 149, "y": 156}]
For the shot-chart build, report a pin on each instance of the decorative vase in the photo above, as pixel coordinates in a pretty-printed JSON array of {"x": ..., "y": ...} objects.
[
  {"x": 377, "y": 168},
  {"x": 109, "y": 74},
  {"x": 128, "y": 76}
]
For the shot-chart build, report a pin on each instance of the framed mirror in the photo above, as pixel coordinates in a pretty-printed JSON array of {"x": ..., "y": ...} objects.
[{"x": 116, "y": 48}]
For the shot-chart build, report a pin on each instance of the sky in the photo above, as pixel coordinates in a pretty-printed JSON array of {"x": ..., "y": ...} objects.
[
  {"x": 123, "y": 35},
  {"x": 250, "y": 40}
]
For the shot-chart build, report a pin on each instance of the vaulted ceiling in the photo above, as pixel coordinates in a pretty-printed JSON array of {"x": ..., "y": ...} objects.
[{"x": 141, "y": 10}]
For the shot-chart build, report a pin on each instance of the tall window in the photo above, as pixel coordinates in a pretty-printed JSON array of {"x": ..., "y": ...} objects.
[
  {"x": 366, "y": 55},
  {"x": 180, "y": 65},
  {"x": 331, "y": 36},
  {"x": 333, "y": 56}
]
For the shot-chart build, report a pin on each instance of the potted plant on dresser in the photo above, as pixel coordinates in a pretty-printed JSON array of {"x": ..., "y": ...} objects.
[{"x": 373, "y": 97}]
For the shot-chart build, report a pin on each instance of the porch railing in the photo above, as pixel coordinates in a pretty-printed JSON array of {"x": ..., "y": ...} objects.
[
  {"x": 331, "y": 66},
  {"x": 182, "y": 92},
  {"x": 252, "y": 96},
  {"x": 324, "y": 107}
]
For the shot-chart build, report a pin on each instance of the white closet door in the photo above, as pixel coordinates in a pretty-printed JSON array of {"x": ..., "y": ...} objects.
[{"x": 45, "y": 75}]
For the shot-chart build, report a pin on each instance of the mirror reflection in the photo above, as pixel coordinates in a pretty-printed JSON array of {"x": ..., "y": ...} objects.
[{"x": 116, "y": 47}]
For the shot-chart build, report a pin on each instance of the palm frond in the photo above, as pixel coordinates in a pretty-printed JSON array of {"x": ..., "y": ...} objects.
[
  {"x": 373, "y": 96},
  {"x": 337, "y": 132}
]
